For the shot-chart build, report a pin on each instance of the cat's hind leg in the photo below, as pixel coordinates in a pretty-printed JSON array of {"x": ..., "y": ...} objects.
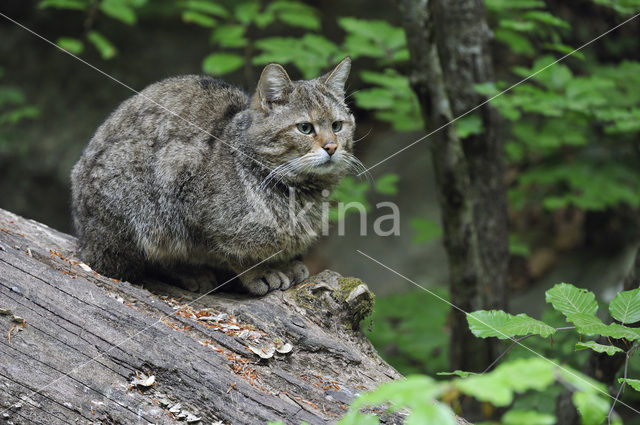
[{"x": 194, "y": 278}]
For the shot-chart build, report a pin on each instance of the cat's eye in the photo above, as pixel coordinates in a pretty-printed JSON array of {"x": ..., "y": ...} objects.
[
  {"x": 305, "y": 127},
  {"x": 336, "y": 126}
]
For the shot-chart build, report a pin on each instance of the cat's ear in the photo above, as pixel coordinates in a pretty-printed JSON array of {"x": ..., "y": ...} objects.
[
  {"x": 336, "y": 79},
  {"x": 274, "y": 85}
]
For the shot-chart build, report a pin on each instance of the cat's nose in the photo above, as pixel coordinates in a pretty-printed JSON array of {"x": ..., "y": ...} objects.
[{"x": 330, "y": 148}]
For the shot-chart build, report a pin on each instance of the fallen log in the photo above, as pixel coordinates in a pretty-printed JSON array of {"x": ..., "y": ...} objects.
[{"x": 78, "y": 347}]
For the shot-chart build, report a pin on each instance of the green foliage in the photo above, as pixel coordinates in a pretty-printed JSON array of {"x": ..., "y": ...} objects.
[
  {"x": 104, "y": 46},
  {"x": 499, "y": 387},
  {"x": 64, "y": 4},
  {"x": 517, "y": 246},
  {"x": 124, "y": 11},
  {"x": 517, "y": 379},
  {"x": 417, "y": 393},
  {"x": 71, "y": 45},
  {"x": 386, "y": 184},
  {"x": 574, "y": 124},
  {"x": 425, "y": 230},
  {"x": 222, "y": 63},
  {"x": 409, "y": 330},
  {"x": 633, "y": 383},
  {"x": 310, "y": 53},
  {"x": 392, "y": 99},
  {"x": 600, "y": 348},
  {"x": 374, "y": 39},
  {"x": 570, "y": 300},
  {"x": 529, "y": 417},
  {"x": 422, "y": 395},
  {"x": 14, "y": 108},
  {"x": 625, "y": 307},
  {"x": 351, "y": 190},
  {"x": 502, "y": 325},
  {"x": 469, "y": 125}
]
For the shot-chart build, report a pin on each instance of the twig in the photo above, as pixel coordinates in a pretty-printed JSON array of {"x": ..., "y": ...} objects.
[
  {"x": 518, "y": 341},
  {"x": 624, "y": 382}
]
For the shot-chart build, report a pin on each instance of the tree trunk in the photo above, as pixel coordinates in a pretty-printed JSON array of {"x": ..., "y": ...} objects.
[
  {"x": 82, "y": 348},
  {"x": 447, "y": 42}
]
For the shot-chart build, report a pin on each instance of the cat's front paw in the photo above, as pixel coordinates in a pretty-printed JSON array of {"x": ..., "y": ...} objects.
[
  {"x": 269, "y": 280},
  {"x": 296, "y": 271}
]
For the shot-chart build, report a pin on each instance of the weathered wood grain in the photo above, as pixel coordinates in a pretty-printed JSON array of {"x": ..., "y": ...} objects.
[{"x": 86, "y": 337}]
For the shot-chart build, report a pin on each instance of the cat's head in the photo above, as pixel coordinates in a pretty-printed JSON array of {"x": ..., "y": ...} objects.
[{"x": 303, "y": 129}]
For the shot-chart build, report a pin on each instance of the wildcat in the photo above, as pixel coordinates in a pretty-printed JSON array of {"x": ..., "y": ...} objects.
[{"x": 192, "y": 174}]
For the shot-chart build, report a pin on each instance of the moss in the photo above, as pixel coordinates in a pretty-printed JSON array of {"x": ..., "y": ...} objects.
[
  {"x": 304, "y": 298},
  {"x": 359, "y": 310},
  {"x": 345, "y": 286}
]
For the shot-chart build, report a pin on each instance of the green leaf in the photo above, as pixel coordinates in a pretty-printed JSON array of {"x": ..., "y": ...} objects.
[
  {"x": 518, "y": 247},
  {"x": 118, "y": 9},
  {"x": 387, "y": 184},
  {"x": 593, "y": 409},
  {"x": 625, "y": 307},
  {"x": 347, "y": 191},
  {"x": 390, "y": 78},
  {"x": 354, "y": 417},
  {"x": 71, "y": 45},
  {"x": 425, "y": 230},
  {"x": 373, "y": 38},
  {"x": 564, "y": 49},
  {"x": 600, "y": 348},
  {"x": 207, "y": 7},
  {"x": 295, "y": 14},
  {"x": 570, "y": 300},
  {"x": 589, "y": 324},
  {"x": 229, "y": 36},
  {"x": 247, "y": 11},
  {"x": 633, "y": 383},
  {"x": 18, "y": 114},
  {"x": 458, "y": 372},
  {"x": 500, "y": 5},
  {"x": 502, "y": 325},
  {"x": 104, "y": 46},
  {"x": 193, "y": 17},
  {"x": 431, "y": 413},
  {"x": 516, "y": 41},
  {"x": 64, "y": 4},
  {"x": 393, "y": 98},
  {"x": 375, "y": 98},
  {"x": 469, "y": 125},
  {"x": 411, "y": 391},
  {"x": 497, "y": 387},
  {"x": 546, "y": 18},
  {"x": 310, "y": 54},
  {"x": 222, "y": 63},
  {"x": 528, "y": 417},
  {"x": 11, "y": 96}
]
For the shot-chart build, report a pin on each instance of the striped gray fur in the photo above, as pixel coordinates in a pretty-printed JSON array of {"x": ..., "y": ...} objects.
[{"x": 183, "y": 192}]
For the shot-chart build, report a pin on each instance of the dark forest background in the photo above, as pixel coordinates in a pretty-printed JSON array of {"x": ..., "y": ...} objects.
[{"x": 566, "y": 141}]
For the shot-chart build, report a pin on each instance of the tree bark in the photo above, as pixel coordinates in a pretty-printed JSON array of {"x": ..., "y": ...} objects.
[
  {"x": 447, "y": 42},
  {"x": 78, "y": 347}
]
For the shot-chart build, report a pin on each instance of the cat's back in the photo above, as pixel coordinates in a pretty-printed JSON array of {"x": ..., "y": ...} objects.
[
  {"x": 188, "y": 107},
  {"x": 171, "y": 123},
  {"x": 152, "y": 144}
]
